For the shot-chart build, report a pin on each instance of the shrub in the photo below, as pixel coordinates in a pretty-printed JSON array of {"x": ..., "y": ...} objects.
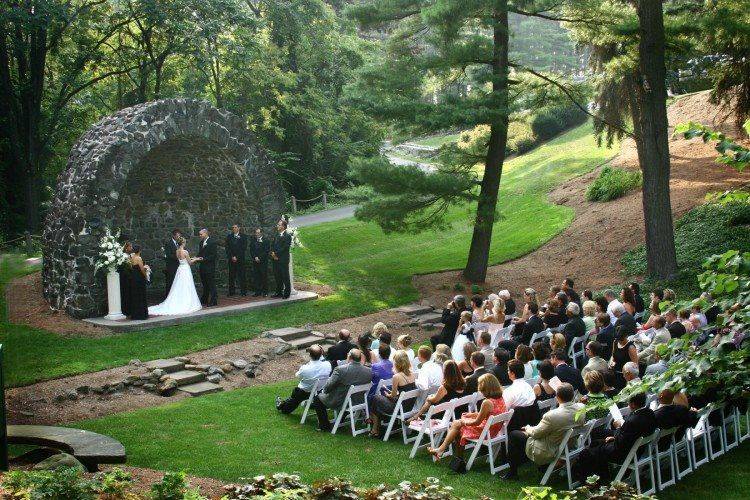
[
  {"x": 114, "y": 484},
  {"x": 520, "y": 138},
  {"x": 550, "y": 121},
  {"x": 59, "y": 484},
  {"x": 613, "y": 183},
  {"x": 174, "y": 486}
]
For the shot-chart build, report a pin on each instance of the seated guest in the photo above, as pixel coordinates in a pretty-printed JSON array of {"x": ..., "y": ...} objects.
[
  {"x": 596, "y": 457},
  {"x": 430, "y": 373},
  {"x": 510, "y": 305},
  {"x": 341, "y": 349},
  {"x": 575, "y": 327},
  {"x": 529, "y": 297},
  {"x": 596, "y": 362},
  {"x": 601, "y": 305},
  {"x": 464, "y": 335},
  {"x": 542, "y": 389},
  {"x": 541, "y": 352},
  {"x": 525, "y": 356},
  {"x": 385, "y": 403},
  {"x": 661, "y": 336},
  {"x": 594, "y": 382},
  {"x": 523, "y": 332},
  {"x": 669, "y": 414},
  {"x": 334, "y": 392},
  {"x": 308, "y": 374},
  {"x": 465, "y": 364},
  {"x": 450, "y": 319},
  {"x": 630, "y": 373},
  {"x": 483, "y": 344},
  {"x": 565, "y": 372},
  {"x": 696, "y": 313},
  {"x": 589, "y": 315},
  {"x": 669, "y": 295},
  {"x": 657, "y": 367},
  {"x": 379, "y": 333},
  {"x": 494, "y": 312},
  {"x": 499, "y": 367},
  {"x": 364, "y": 344},
  {"x": 612, "y": 303},
  {"x": 712, "y": 312},
  {"x": 654, "y": 309},
  {"x": 381, "y": 369},
  {"x": 605, "y": 334},
  {"x": 444, "y": 350},
  {"x": 520, "y": 397},
  {"x": 477, "y": 308},
  {"x": 471, "y": 425},
  {"x": 587, "y": 295},
  {"x": 472, "y": 381},
  {"x": 403, "y": 343},
  {"x": 453, "y": 386},
  {"x": 675, "y": 327},
  {"x": 684, "y": 316},
  {"x": 539, "y": 443},
  {"x": 553, "y": 317},
  {"x": 610, "y": 383},
  {"x": 558, "y": 343},
  {"x": 628, "y": 300},
  {"x": 639, "y": 305},
  {"x": 567, "y": 288},
  {"x": 623, "y": 350},
  {"x": 564, "y": 300},
  {"x": 624, "y": 318}
]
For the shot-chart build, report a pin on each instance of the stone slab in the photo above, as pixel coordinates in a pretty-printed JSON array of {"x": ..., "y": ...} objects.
[
  {"x": 201, "y": 388},
  {"x": 289, "y": 333},
  {"x": 305, "y": 342},
  {"x": 186, "y": 377},
  {"x": 168, "y": 365},
  {"x": 414, "y": 309},
  {"x": 127, "y": 325},
  {"x": 429, "y": 318}
]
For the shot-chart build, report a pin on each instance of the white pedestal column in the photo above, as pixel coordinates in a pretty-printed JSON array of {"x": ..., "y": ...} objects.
[
  {"x": 113, "y": 296},
  {"x": 291, "y": 272}
]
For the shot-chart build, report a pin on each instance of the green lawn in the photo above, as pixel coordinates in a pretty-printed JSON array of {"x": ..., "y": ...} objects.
[
  {"x": 239, "y": 434},
  {"x": 367, "y": 270},
  {"x": 437, "y": 140}
]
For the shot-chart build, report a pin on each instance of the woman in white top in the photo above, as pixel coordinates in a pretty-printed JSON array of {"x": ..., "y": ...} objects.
[{"x": 525, "y": 355}]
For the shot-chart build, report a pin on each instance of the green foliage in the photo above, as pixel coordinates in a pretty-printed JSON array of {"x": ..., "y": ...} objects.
[
  {"x": 730, "y": 153},
  {"x": 174, "y": 486},
  {"x": 520, "y": 138},
  {"x": 114, "y": 484},
  {"x": 590, "y": 490},
  {"x": 59, "y": 484},
  {"x": 705, "y": 230},
  {"x": 550, "y": 121},
  {"x": 730, "y": 196},
  {"x": 613, "y": 183}
]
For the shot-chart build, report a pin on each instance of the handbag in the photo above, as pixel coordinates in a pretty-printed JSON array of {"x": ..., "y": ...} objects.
[{"x": 458, "y": 465}]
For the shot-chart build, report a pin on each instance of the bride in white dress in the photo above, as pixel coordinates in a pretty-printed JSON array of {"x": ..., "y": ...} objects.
[{"x": 182, "y": 297}]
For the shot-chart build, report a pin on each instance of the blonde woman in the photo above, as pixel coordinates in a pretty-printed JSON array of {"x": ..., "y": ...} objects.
[
  {"x": 378, "y": 329},
  {"x": 558, "y": 342},
  {"x": 529, "y": 296},
  {"x": 589, "y": 315},
  {"x": 403, "y": 343},
  {"x": 495, "y": 312},
  {"x": 384, "y": 404},
  {"x": 444, "y": 350}
]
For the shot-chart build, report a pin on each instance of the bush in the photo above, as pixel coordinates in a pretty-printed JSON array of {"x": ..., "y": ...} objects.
[
  {"x": 174, "y": 486},
  {"x": 59, "y": 484},
  {"x": 613, "y": 183},
  {"x": 520, "y": 138},
  {"x": 550, "y": 121}
]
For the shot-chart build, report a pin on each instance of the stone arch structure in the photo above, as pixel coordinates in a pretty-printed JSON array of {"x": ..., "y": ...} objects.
[{"x": 173, "y": 163}]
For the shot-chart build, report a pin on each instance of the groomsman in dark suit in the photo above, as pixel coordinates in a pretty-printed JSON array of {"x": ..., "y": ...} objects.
[
  {"x": 259, "y": 250},
  {"x": 170, "y": 259},
  {"x": 235, "y": 246},
  {"x": 282, "y": 244},
  {"x": 207, "y": 250}
]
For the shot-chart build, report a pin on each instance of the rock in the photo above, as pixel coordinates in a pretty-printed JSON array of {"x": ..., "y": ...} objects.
[
  {"x": 97, "y": 389},
  {"x": 135, "y": 362},
  {"x": 168, "y": 388},
  {"x": 163, "y": 378},
  {"x": 118, "y": 387},
  {"x": 188, "y": 366},
  {"x": 240, "y": 364},
  {"x": 149, "y": 387},
  {"x": 213, "y": 370},
  {"x": 202, "y": 367},
  {"x": 71, "y": 395},
  {"x": 157, "y": 372},
  {"x": 83, "y": 389},
  {"x": 132, "y": 379},
  {"x": 60, "y": 461},
  {"x": 263, "y": 358},
  {"x": 182, "y": 359},
  {"x": 137, "y": 383},
  {"x": 282, "y": 349},
  {"x": 425, "y": 302},
  {"x": 145, "y": 377},
  {"x": 215, "y": 378},
  {"x": 428, "y": 327},
  {"x": 60, "y": 398},
  {"x": 227, "y": 368},
  {"x": 250, "y": 371}
]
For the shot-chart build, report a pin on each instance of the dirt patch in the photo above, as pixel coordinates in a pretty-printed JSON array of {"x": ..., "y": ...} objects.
[{"x": 590, "y": 249}]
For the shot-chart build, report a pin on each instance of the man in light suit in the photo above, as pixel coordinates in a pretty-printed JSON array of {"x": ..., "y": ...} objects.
[
  {"x": 661, "y": 336},
  {"x": 539, "y": 443},
  {"x": 333, "y": 394}
]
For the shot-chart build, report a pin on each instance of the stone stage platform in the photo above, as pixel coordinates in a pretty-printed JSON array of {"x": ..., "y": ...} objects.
[{"x": 227, "y": 306}]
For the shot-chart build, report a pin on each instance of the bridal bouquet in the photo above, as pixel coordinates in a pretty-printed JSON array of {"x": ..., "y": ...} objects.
[
  {"x": 294, "y": 232},
  {"x": 111, "y": 254}
]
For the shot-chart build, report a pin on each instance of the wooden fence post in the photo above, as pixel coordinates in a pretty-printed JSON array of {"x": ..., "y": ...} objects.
[
  {"x": 294, "y": 205},
  {"x": 325, "y": 200},
  {"x": 29, "y": 249}
]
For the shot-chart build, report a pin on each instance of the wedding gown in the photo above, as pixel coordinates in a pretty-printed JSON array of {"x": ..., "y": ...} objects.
[{"x": 182, "y": 297}]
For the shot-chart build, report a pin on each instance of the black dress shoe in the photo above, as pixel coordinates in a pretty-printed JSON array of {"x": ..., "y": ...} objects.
[{"x": 244, "y": 294}]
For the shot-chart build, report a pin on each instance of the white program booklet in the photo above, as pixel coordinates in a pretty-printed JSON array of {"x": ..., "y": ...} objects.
[
  {"x": 555, "y": 382},
  {"x": 616, "y": 414}
]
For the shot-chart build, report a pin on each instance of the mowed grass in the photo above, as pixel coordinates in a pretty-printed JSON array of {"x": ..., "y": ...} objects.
[
  {"x": 436, "y": 141},
  {"x": 366, "y": 269},
  {"x": 239, "y": 434}
]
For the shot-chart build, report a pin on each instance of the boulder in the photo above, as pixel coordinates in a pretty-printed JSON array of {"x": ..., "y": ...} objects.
[
  {"x": 240, "y": 364},
  {"x": 182, "y": 359},
  {"x": 83, "y": 389},
  {"x": 227, "y": 368},
  {"x": 60, "y": 461},
  {"x": 168, "y": 388},
  {"x": 215, "y": 378},
  {"x": 250, "y": 371},
  {"x": 149, "y": 387},
  {"x": 135, "y": 362},
  {"x": 157, "y": 372},
  {"x": 214, "y": 370},
  {"x": 282, "y": 349}
]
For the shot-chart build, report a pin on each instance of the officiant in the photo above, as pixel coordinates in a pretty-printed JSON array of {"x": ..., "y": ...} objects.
[{"x": 236, "y": 246}]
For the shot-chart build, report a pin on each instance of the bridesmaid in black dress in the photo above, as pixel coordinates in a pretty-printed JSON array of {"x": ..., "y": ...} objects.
[
  {"x": 138, "y": 302},
  {"x": 124, "y": 271}
]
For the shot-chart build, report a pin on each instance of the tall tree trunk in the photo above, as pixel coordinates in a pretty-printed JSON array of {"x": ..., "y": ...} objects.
[
  {"x": 479, "y": 252},
  {"x": 653, "y": 146}
]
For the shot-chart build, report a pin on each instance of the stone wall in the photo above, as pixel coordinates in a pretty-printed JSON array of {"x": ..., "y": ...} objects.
[{"x": 167, "y": 164}]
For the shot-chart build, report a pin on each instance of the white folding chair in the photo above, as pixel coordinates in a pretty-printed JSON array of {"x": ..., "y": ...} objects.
[
  {"x": 660, "y": 455},
  {"x": 633, "y": 463},
  {"x": 699, "y": 435},
  {"x": 498, "y": 335},
  {"x": 576, "y": 351},
  {"x": 731, "y": 426},
  {"x": 746, "y": 434},
  {"x": 718, "y": 449},
  {"x": 400, "y": 415},
  {"x": 316, "y": 388},
  {"x": 383, "y": 383},
  {"x": 639, "y": 316},
  {"x": 433, "y": 427},
  {"x": 600, "y": 422},
  {"x": 539, "y": 336},
  {"x": 680, "y": 448},
  {"x": 572, "y": 444},
  {"x": 652, "y": 401},
  {"x": 478, "y": 397},
  {"x": 355, "y": 404},
  {"x": 546, "y": 405},
  {"x": 492, "y": 443}
]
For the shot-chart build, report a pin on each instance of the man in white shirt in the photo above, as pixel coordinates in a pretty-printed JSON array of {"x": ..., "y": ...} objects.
[
  {"x": 309, "y": 373},
  {"x": 430, "y": 372},
  {"x": 613, "y": 304},
  {"x": 519, "y": 396}
]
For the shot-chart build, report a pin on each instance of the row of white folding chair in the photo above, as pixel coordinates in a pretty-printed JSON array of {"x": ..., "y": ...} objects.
[
  {"x": 640, "y": 455},
  {"x": 492, "y": 443},
  {"x": 316, "y": 388},
  {"x": 435, "y": 428},
  {"x": 354, "y": 410},
  {"x": 501, "y": 334},
  {"x": 577, "y": 350},
  {"x": 540, "y": 336},
  {"x": 546, "y": 405},
  {"x": 400, "y": 414},
  {"x": 573, "y": 443}
]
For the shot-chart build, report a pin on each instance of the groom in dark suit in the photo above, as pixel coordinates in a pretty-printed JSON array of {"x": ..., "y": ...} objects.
[
  {"x": 170, "y": 259},
  {"x": 235, "y": 246},
  {"x": 280, "y": 259},
  {"x": 207, "y": 267},
  {"x": 259, "y": 250}
]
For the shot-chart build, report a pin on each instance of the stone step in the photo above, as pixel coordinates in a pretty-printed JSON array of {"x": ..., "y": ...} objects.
[
  {"x": 201, "y": 388},
  {"x": 414, "y": 309},
  {"x": 168, "y": 365},
  {"x": 289, "y": 333},
  {"x": 186, "y": 377},
  {"x": 307, "y": 341},
  {"x": 432, "y": 317}
]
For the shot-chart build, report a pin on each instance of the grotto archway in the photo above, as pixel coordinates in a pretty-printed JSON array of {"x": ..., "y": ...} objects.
[{"x": 174, "y": 163}]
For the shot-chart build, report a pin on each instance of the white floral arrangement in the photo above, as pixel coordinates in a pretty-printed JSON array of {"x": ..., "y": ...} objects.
[
  {"x": 111, "y": 254},
  {"x": 294, "y": 233}
]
